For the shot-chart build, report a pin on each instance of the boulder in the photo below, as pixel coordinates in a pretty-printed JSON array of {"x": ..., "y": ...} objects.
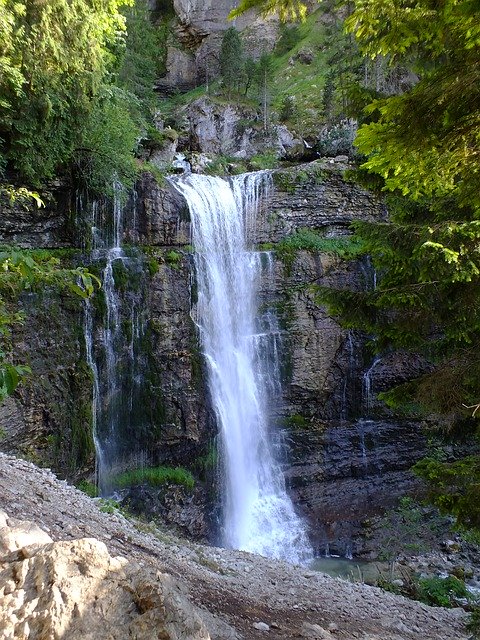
[{"x": 76, "y": 589}]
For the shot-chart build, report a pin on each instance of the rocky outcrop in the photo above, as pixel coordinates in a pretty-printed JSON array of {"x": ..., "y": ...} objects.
[
  {"x": 343, "y": 474},
  {"x": 49, "y": 418},
  {"x": 25, "y": 225},
  {"x": 76, "y": 589},
  {"x": 234, "y": 130},
  {"x": 197, "y": 29},
  {"x": 347, "y": 463},
  {"x": 182, "y": 508},
  {"x": 185, "y": 424}
]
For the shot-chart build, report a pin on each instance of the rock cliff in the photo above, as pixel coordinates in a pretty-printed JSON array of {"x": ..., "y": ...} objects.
[
  {"x": 345, "y": 462},
  {"x": 196, "y": 34}
]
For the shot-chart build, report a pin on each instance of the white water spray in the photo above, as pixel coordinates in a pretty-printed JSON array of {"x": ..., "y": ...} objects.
[{"x": 258, "y": 514}]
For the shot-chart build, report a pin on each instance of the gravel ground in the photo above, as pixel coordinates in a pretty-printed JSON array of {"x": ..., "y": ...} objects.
[{"x": 239, "y": 595}]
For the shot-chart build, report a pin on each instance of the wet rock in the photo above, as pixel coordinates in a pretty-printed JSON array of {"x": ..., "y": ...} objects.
[{"x": 183, "y": 508}]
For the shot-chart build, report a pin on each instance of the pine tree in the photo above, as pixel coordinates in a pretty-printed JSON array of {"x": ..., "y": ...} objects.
[
  {"x": 264, "y": 74},
  {"x": 231, "y": 61}
]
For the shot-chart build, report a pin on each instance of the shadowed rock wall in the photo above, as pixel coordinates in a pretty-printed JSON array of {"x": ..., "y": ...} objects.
[{"x": 346, "y": 461}]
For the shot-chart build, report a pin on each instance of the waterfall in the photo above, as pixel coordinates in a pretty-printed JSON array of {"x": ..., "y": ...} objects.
[
  {"x": 112, "y": 346},
  {"x": 367, "y": 386},
  {"x": 258, "y": 514}
]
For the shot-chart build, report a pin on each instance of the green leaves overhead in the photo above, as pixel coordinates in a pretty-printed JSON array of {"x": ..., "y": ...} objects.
[
  {"x": 72, "y": 80},
  {"x": 423, "y": 147},
  {"x": 31, "y": 271},
  {"x": 425, "y": 142},
  {"x": 53, "y": 56}
]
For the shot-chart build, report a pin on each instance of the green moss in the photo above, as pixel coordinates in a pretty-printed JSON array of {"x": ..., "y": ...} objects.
[
  {"x": 87, "y": 487},
  {"x": 99, "y": 303},
  {"x": 196, "y": 361},
  {"x": 158, "y": 174},
  {"x": 266, "y": 160},
  {"x": 222, "y": 165},
  {"x": 152, "y": 265},
  {"x": 296, "y": 421},
  {"x": 266, "y": 246},
  {"x": 155, "y": 476},
  {"x": 285, "y": 181},
  {"x": 346, "y": 247},
  {"x": 208, "y": 461},
  {"x": 173, "y": 259},
  {"x": 120, "y": 275},
  {"x": 127, "y": 329}
]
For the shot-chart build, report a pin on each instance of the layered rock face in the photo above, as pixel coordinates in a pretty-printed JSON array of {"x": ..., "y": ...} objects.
[
  {"x": 51, "y": 226},
  {"x": 347, "y": 457},
  {"x": 197, "y": 30},
  {"x": 48, "y": 420}
]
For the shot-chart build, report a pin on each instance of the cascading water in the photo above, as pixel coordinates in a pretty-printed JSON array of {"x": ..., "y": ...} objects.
[
  {"x": 258, "y": 514},
  {"x": 367, "y": 387},
  {"x": 112, "y": 347}
]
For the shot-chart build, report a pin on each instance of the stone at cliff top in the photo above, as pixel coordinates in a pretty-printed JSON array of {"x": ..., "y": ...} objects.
[
  {"x": 235, "y": 130},
  {"x": 75, "y": 589}
]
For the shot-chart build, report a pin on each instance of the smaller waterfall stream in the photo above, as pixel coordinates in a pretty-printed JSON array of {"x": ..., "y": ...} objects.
[
  {"x": 111, "y": 346},
  {"x": 242, "y": 367}
]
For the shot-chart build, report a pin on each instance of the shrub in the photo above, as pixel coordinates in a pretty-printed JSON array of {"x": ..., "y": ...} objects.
[{"x": 155, "y": 476}]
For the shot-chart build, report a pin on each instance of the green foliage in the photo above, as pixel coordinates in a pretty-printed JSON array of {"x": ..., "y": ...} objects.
[
  {"x": 313, "y": 241},
  {"x": 19, "y": 195},
  {"x": 142, "y": 54},
  {"x": 23, "y": 271},
  {"x": 155, "y": 476},
  {"x": 453, "y": 487},
  {"x": 289, "y": 37},
  {"x": 441, "y": 592},
  {"x": 109, "y": 505},
  {"x": 288, "y": 109},
  {"x": 53, "y": 57},
  {"x": 76, "y": 81},
  {"x": 296, "y": 422},
  {"x": 473, "y": 625},
  {"x": 231, "y": 60},
  {"x": 152, "y": 266},
  {"x": 289, "y": 10},
  {"x": 173, "y": 259},
  {"x": 421, "y": 148},
  {"x": 207, "y": 463},
  {"x": 108, "y": 143},
  {"x": 88, "y": 487},
  {"x": 424, "y": 142},
  {"x": 266, "y": 160},
  {"x": 263, "y": 79},
  {"x": 402, "y": 531}
]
